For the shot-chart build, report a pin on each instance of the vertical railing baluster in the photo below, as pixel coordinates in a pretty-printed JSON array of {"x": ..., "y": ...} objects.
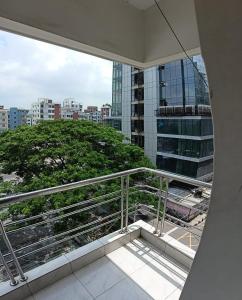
[
  {"x": 10, "y": 248},
  {"x": 164, "y": 208},
  {"x": 135, "y": 211},
  {"x": 158, "y": 205},
  {"x": 127, "y": 202},
  {"x": 13, "y": 281},
  {"x": 122, "y": 205}
]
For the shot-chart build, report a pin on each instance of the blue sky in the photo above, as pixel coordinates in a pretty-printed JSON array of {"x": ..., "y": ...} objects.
[{"x": 30, "y": 69}]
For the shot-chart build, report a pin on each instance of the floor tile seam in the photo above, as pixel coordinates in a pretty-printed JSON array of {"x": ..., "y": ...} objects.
[
  {"x": 124, "y": 278},
  {"x": 81, "y": 284}
]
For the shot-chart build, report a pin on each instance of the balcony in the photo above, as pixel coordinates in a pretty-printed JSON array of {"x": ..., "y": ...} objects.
[
  {"x": 188, "y": 110},
  {"x": 124, "y": 252}
]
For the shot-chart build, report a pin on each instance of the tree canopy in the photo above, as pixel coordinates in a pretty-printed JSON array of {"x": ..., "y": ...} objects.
[{"x": 59, "y": 152}]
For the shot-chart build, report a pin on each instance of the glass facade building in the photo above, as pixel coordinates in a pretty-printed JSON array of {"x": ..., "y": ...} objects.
[
  {"x": 182, "y": 126},
  {"x": 117, "y": 90},
  {"x": 115, "y": 120},
  {"x": 184, "y": 122},
  {"x": 165, "y": 110}
]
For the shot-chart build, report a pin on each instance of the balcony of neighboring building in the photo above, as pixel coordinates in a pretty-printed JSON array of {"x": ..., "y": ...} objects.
[
  {"x": 137, "y": 80},
  {"x": 137, "y": 95},
  {"x": 179, "y": 110}
]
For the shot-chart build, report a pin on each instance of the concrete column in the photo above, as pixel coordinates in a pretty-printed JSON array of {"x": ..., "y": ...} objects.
[
  {"x": 151, "y": 100},
  {"x": 217, "y": 269}
]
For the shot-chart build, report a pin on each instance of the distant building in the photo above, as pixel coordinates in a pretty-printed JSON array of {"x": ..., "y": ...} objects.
[
  {"x": 29, "y": 118},
  {"x": 71, "y": 109},
  {"x": 106, "y": 111},
  {"x": 17, "y": 117},
  {"x": 84, "y": 116},
  {"x": 3, "y": 119},
  {"x": 94, "y": 116},
  {"x": 57, "y": 111},
  {"x": 91, "y": 109},
  {"x": 43, "y": 109}
]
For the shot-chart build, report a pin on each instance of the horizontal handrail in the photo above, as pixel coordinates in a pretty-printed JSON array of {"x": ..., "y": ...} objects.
[{"x": 91, "y": 181}]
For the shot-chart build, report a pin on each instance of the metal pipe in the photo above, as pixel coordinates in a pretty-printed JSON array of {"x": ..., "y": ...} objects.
[
  {"x": 44, "y": 240},
  {"x": 58, "y": 210},
  {"x": 158, "y": 206},
  {"x": 10, "y": 248},
  {"x": 184, "y": 179},
  {"x": 164, "y": 209},
  {"x": 71, "y": 236},
  {"x": 65, "y": 215},
  {"x": 13, "y": 281},
  {"x": 78, "y": 184},
  {"x": 66, "y": 187},
  {"x": 122, "y": 205},
  {"x": 127, "y": 203}
]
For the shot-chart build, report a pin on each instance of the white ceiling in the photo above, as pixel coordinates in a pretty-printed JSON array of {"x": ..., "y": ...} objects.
[{"x": 141, "y": 4}]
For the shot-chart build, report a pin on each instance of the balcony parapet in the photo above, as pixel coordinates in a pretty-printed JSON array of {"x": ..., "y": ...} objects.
[{"x": 127, "y": 212}]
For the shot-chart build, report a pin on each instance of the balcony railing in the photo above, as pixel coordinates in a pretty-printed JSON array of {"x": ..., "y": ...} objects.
[
  {"x": 189, "y": 110},
  {"x": 38, "y": 238}
]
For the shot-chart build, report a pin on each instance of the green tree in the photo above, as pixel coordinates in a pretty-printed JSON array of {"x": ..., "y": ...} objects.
[{"x": 59, "y": 152}]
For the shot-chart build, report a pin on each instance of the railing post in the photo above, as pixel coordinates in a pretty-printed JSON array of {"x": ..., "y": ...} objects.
[
  {"x": 13, "y": 281},
  {"x": 122, "y": 205},
  {"x": 135, "y": 211},
  {"x": 10, "y": 248},
  {"x": 127, "y": 202},
  {"x": 164, "y": 209},
  {"x": 158, "y": 206}
]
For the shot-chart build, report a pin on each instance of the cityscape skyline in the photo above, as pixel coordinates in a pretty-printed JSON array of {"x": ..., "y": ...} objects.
[{"x": 42, "y": 70}]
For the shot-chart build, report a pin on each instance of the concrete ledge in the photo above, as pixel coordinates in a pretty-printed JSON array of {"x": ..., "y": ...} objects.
[
  {"x": 66, "y": 264},
  {"x": 170, "y": 246}
]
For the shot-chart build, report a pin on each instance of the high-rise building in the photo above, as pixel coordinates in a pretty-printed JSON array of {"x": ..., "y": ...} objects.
[
  {"x": 116, "y": 114},
  {"x": 17, "y": 117},
  {"x": 43, "y": 109},
  {"x": 165, "y": 110},
  {"x": 3, "y": 119}
]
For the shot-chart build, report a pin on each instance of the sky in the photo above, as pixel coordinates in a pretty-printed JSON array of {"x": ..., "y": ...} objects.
[{"x": 31, "y": 69}]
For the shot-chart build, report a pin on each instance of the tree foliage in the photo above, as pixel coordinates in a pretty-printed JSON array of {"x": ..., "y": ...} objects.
[{"x": 59, "y": 152}]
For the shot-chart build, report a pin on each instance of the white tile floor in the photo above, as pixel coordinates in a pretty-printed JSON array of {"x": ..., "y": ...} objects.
[{"x": 134, "y": 271}]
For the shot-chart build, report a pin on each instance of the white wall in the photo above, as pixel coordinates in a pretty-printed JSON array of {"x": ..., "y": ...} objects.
[
  {"x": 151, "y": 98},
  {"x": 112, "y": 29},
  {"x": 216, "y": 272},
  {"x": 160, "y": 44}
]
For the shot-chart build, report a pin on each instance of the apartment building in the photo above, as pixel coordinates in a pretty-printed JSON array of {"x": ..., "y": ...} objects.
[
  {"x": 43, "y": 109},
  {"x": 17, "y": 117},
  {"x": 71, "y": 109},
  {"x": 106, "y": 111},
  {"x": 91, "y": 109},
  {"x": 165, "y": 110},
  {"x": 3, "y": 119}
]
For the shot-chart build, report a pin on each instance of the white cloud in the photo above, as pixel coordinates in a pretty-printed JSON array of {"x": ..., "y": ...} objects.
[{"x": 30, "y": 69}]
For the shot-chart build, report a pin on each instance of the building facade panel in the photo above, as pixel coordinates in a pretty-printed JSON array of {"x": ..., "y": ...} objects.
[{"x": 166, "y": 111}]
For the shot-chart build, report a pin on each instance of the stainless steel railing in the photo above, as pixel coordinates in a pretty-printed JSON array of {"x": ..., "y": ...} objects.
[{"x": 15, "y": 254}]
